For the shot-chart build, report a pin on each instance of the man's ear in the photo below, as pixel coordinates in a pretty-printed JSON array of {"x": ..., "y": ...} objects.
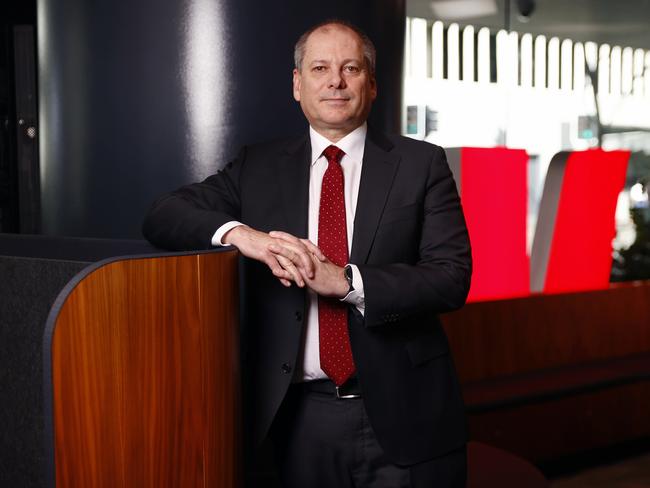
[
  {"x": 373, "y": 88},
  {"x": 296, "y": 84}
]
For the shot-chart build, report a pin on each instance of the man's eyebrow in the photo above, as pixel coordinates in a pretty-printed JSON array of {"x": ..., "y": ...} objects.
[{"x": 345, "y": 61}]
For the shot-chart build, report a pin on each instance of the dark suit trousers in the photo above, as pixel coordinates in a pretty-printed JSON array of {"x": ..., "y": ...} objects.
[{"x": 322, "y": 441}]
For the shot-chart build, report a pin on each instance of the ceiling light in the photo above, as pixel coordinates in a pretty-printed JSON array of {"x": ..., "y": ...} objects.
[{"x": 463, "y": 9}]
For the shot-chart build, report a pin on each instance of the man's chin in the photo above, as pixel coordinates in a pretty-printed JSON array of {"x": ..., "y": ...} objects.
[{"x": 339, "y": 120}]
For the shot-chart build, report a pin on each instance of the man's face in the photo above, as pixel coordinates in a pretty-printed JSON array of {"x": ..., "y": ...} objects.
[{"x": 334, "y": 87}]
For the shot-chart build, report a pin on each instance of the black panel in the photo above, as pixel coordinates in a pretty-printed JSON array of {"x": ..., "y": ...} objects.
[
  {"x": 29, "y": 191},
  {"x": 12, "y": 13},
  {"x": 70, "y": 248},
  {"x": 28, "y": 288}
]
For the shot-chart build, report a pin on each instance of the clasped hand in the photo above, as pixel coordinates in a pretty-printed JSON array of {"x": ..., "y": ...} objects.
[{"x": 291, "y": 260}]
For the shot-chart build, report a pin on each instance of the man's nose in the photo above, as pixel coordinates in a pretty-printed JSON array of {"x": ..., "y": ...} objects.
[{"x": 336, "y": 80}]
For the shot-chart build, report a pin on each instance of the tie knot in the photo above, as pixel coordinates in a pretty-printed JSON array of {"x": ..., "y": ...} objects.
[{"x": 333, "y": 154}]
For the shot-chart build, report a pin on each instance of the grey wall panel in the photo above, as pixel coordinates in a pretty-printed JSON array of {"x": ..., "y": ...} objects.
[
  {"x": 455, "y": 164},
  {"x": 139, "y": 98},
  {"x": 541, "y": 249}
]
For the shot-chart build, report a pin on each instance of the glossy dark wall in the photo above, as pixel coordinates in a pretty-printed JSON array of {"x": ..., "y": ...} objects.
[{"x": 139, "y": 98}]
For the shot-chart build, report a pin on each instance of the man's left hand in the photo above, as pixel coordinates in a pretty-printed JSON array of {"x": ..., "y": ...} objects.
[{"x": 328, "y": 279}]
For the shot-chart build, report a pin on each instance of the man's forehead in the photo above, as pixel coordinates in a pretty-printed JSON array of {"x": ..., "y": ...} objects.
[{"x": 315, "y": 38}]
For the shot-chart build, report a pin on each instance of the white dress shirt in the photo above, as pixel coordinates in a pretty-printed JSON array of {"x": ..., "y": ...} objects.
[{"x": 353, "y": 146}]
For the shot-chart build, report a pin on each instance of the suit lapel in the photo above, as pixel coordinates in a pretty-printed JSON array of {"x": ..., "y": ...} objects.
[
  {"x": 293, "y": 177},
  {"x": 377, "y": 175}
]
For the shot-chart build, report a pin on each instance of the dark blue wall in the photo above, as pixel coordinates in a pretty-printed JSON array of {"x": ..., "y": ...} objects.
[{"x": 137, "y": 98}]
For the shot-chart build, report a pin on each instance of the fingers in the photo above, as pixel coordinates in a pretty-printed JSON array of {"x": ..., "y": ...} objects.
[
  {"x": 294, "y": 250},
  {"x": 277, "y": 270},
  {"x": 254, "y": 244},
  {"x": 290, "y": 268},
  {"x": 286, "y": 282},
  {"x": 278, "y": 234},
  {"x": 311, "y": 247},
  {"x": 284, "y": 270},
  {"x": 289, "y": 258},
  {"x": 315, "y": 250},
  {"x": 285, "y": 276}
]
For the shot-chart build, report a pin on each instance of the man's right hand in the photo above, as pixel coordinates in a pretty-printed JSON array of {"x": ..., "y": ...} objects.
[{"x": 256, "y": 245}]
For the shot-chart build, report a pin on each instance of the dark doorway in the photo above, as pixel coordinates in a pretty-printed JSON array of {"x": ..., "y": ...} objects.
[{"x": 19, "y": 168}]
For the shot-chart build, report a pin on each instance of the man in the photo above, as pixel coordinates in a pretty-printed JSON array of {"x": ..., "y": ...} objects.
[{"x": 353, "y": 241}]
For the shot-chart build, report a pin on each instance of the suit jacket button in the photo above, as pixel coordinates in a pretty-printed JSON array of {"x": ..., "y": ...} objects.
[
  {"x": 299, "y": 316},
  {"x": 286, "y": 368}
]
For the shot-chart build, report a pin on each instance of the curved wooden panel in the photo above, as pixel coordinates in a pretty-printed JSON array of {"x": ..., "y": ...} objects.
[{"x": 145, "y": 375}]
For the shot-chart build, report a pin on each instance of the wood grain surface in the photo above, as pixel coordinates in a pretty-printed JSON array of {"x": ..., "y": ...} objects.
[
  {"x": 146, "y": 376},
  {"x": 506, "y": 337},
  {"x": 544, "y": 338}
]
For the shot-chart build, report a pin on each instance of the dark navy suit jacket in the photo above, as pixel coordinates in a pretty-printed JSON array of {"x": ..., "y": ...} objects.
[{"x": 412, "y": 249}]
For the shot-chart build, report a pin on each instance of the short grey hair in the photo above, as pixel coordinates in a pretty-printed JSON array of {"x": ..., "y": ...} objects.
[{"x": 369, "y": 51}]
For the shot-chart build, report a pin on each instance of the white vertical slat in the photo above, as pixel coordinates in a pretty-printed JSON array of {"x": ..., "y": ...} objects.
[
  {"x": 502, "y": 57},
  {"x": 578, "y": 67},
  {"x": 437, "y": 54},
  {"x": 646, "y": 75},
  {"x": 468, "y": 53},
  {"x": 627, "y": 70},
  {"x": 513, "y": 54},
  {"x": 554, "y": 64},
  {"x": 419, "y": 48},
  {"x": 603, "y": 69},
  {"x": 484, "y": 55},
  {"x": 407, "y": 47},
  {"x": 615, "y": 71},
  {"x": 526, "y": 57},
  {"x": 637, "y": 82},
  {"x": 566, "y": 65},
  {"x": 591, "y": 55},
  {"x": 453, "y": 53},
  {"x": 540, "y": 62}
]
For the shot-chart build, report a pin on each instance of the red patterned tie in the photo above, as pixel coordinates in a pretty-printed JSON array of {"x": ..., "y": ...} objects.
[{"x": 335, "y": 352}]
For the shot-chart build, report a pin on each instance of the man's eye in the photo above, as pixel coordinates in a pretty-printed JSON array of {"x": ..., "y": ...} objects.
[
  {"x": 318, "y": 69},
  {"x": 352, "y": 69}
]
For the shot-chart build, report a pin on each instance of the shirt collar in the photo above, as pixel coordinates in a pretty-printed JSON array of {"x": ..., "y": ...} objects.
[{"x": 352, "y": 144}]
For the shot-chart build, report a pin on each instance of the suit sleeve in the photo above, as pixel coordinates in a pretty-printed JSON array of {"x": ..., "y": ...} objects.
[
  {"x": 439, "y": 281},
  {"x": 186, "y": 219}
]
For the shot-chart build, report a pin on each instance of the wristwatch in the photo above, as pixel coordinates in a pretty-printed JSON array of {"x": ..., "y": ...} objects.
[{"x": 347, "y": 271}]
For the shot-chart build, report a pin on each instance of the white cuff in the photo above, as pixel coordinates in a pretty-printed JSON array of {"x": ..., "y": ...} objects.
[
  {"x": 221, "y": 231},
  {"x": 356, "y": 297}
]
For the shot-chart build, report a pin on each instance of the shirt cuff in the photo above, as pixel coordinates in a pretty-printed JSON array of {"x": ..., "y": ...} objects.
[
  {"x": 356, "y": 296},
  {"x": 221, "y": 231}
]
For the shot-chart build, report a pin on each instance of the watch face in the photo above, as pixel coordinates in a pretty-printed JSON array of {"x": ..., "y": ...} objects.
[{"x": 348, "y": 274}]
